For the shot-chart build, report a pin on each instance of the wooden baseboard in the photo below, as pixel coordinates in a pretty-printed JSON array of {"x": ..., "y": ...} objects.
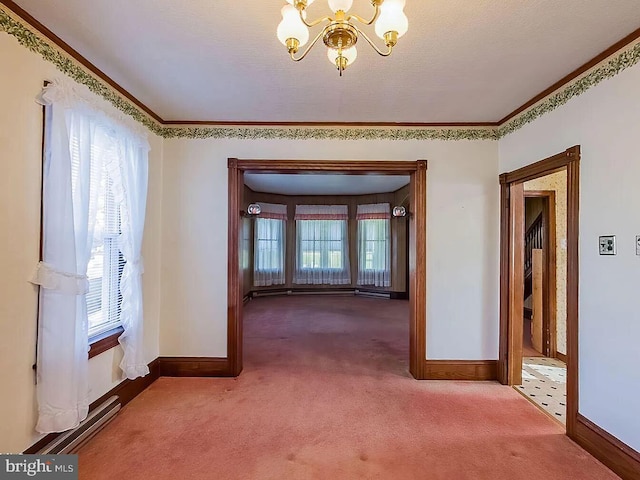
[
  {"x": 561, "y": 356},
  {"x": 194, "y": 367},
  {"x": 618, "y": 456},
  {"x": 461, "y": 370},
  {"x": 127, "y": 390}
]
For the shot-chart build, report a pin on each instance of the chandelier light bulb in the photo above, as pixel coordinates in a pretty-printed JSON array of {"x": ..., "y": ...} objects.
[
  {"x": 292, "y": 26},
  {"x": 392, "y": 18},
  {"x": 349, "y": 53},
  {"x": 343, "y": 5}
]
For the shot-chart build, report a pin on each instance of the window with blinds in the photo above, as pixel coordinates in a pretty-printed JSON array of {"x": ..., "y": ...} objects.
[
  {"x": 322, "y": 245},
  {"x": 106, "y": 263},
  {"x": 269, "y": 246},
  {"x": 374, "y": 244}
]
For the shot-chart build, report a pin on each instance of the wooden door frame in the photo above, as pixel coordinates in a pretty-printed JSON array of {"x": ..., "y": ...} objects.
[
  {"x": 417, "y": 172},
  {"x": 512, "y": 263},
  {"x": 549, "y": 280}
]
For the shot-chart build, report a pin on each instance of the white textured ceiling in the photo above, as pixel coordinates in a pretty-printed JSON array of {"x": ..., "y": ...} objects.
[
  {"x": 461, "y": 61},
  {"x": 318, "y": 184}
]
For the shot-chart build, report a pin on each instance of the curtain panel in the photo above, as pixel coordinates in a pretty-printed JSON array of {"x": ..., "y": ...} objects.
[
  {"x": 80, "y": 140},
  {"x": 322, "y": 245},
  {"x": 269, "y": 245},
  {"x": 374, "y": 244}
]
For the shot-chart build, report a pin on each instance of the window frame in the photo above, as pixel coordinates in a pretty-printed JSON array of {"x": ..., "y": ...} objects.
[
  {"x": 299, "y": 251},
  {"x": 386, "y": 242}
]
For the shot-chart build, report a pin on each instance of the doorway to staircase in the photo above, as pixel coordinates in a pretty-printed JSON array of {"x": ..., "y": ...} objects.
[
  {"x": 544, "y": 370},
  {"x": 530, "y": 347}
]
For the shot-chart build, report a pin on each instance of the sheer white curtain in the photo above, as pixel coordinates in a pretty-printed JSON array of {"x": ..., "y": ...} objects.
[
  {"x": 80, "y": 140},
  {"x": 269, "y": 245},
  {"x": 129, "y": 172},
  {"x": 322, "y": 245},
  {"x": 374, "y": 244},
  {"x": 62, "y": 388}
]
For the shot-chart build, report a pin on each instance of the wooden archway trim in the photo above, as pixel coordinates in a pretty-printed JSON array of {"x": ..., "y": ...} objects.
[{"x": 416, "y": 170}]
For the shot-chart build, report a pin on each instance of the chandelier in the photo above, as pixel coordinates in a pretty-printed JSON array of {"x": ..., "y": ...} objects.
[{"x": 340, "y": 33}]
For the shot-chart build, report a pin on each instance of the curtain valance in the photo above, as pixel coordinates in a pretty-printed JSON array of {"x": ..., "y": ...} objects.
[
  {"x": 322, "y": 212},
  {"x": 273, "y": 211},
  {"x": 373, "y": 211}
]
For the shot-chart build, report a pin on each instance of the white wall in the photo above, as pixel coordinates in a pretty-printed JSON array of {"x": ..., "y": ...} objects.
[
  {"x": 605, "y": 121},
  {"x": 21, "y": 78},
  {"x": 462, "y": 238}
]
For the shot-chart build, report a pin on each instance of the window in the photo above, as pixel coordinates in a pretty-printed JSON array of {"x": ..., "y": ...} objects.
[
  {"x": 94, "y": 190},
  {"x": 374, "y": 262},
  {"x": 269, "y": 246},
  {"x": 106, "y": 262},
  {"x": 322, "y": 254}
]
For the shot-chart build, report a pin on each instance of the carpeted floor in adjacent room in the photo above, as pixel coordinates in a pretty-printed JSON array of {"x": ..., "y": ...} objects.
[{"x": 325, "y": 394}]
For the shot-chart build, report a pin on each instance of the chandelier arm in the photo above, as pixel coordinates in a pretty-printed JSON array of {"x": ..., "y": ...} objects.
[
  {"x": 304, "y": 54},
  {"x": 315, "y": 22},
  {"x": 373, "y": 45},
  {"x": 376, "y": 14}
]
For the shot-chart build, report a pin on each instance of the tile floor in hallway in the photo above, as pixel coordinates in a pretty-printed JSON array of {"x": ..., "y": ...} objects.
[{"x": 544, "y": 381}]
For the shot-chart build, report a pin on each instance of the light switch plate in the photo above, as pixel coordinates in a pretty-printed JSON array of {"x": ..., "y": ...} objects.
[
  {"x": 607, "y": 245},
  {"x": 637, "y": 244}
]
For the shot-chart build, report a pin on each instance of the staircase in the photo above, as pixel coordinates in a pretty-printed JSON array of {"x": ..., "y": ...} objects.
[{"x": 533, "y": 238}]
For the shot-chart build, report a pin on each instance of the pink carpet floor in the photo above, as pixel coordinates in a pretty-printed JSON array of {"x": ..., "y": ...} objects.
[{"x": 326, "y": 394}]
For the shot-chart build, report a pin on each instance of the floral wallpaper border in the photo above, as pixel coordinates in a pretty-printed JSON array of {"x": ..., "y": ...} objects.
[
  {"x": 33, "y": 40},
  {"x": 328, "y": 133}
]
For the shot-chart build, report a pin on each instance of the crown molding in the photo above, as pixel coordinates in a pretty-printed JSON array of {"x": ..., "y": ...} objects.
[{"x": 36, "y": 37}]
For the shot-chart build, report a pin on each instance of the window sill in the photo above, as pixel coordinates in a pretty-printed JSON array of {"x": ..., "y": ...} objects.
[{"x": 105, "y": 341}]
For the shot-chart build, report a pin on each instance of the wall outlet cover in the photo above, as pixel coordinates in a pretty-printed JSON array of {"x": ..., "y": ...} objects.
[{"x": 607, "y": 244}]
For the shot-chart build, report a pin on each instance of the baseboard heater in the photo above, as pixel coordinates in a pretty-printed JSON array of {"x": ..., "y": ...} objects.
[
  {"x": 267, "y": 293},
  {"x": 71, "y": 440},
  {"x": 321, "y": 292},
  {"x": 346, "y": 292},
  {"x": 373, "y": 294}
]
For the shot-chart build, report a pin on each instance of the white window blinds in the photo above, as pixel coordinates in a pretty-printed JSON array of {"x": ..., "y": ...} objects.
[{"x": 106, "y": 263}]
